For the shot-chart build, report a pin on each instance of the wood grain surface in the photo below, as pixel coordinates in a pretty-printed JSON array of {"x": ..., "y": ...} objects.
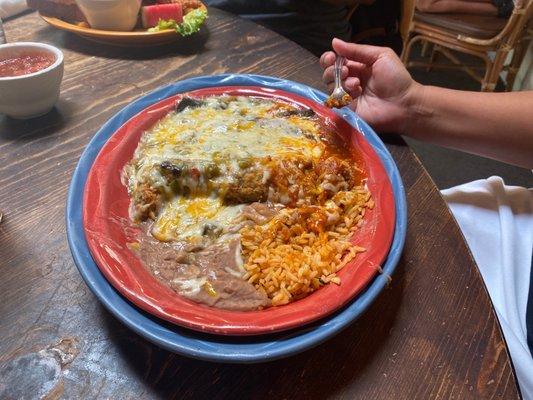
[{"x": 431, "y": 334}]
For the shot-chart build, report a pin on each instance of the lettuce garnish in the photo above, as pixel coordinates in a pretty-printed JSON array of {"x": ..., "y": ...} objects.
[{"x": 191, "y": 23}]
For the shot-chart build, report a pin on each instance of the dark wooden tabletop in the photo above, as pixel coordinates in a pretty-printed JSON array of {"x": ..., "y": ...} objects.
[{"x": 431, "y": 334}]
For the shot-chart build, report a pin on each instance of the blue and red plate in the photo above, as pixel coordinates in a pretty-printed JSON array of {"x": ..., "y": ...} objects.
[{"x": 99, "y": 231}]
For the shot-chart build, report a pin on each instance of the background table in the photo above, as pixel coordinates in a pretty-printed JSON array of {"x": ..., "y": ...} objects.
[{"x": 431, "y": 334}]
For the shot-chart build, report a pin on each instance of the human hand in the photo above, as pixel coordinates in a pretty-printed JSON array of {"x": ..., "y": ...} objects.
[{"x": 375, "y": 77}]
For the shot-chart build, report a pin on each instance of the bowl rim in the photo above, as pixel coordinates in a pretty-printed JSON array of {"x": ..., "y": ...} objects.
[{"x": 58, "y": 54}]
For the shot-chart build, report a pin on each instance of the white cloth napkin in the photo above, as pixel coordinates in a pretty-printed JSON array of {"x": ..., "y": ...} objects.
[
  {"x": 497, "y": 222},
  {"x": 8, "y": 8}
]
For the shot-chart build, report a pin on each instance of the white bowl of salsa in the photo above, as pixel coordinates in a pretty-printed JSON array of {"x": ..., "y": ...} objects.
[{"x": 30, "y": 76}]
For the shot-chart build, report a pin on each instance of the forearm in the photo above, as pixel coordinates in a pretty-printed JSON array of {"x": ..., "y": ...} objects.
[{"x": 494, "y": 125}]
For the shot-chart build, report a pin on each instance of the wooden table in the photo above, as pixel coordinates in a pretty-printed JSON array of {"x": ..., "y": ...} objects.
[{"x": 431, "y": 334}]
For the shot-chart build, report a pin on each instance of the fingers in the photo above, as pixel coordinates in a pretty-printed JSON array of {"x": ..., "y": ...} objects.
[
  {"x": 329, "y": 75},
  {"x": 350, "y": 68},
  {"x": 327, "y": 59},
  {"x": 358, "y": 52},
  {"x": 351, "y": 81},
  {"x": 356, "y": 62},
  {"x": 351, "y": 85}
]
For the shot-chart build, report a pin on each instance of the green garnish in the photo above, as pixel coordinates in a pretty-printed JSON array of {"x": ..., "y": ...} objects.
[
  {"x": 163, "y": 25},
  {"x": 191, "y": 23}
]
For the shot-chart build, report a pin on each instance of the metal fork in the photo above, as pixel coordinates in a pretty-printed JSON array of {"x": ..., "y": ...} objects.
[
  {"x": 339, "y": 91},
  {"x": 339, "y": 97}
]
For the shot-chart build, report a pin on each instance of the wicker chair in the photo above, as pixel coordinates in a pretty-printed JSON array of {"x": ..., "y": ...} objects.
[{"x": 476, "y": 35}]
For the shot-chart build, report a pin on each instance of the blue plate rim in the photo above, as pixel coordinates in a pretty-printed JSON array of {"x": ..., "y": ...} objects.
[{"x": 213, "y": 348}]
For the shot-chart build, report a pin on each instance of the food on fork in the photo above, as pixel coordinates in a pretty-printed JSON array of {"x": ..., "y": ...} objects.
[
  {"x": 338, "y": 98},
  {"x": 334, "y": 102}
]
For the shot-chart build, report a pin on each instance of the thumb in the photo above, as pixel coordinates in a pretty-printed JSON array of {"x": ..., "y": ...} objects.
[{"x": 357, "y": 52}]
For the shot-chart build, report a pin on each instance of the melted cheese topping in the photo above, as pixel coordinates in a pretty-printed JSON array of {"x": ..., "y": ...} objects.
[
  {"x": 204, "y": 133},
  {"x": 243, "y": 129},
  {"x": 226, "y": 132},
  {"x": 187, "y": 217}
]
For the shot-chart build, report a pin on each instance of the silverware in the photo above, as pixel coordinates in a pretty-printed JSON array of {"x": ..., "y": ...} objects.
[
  {"x": 339, "y": 97},
  {"x": 3, "y": 39}
]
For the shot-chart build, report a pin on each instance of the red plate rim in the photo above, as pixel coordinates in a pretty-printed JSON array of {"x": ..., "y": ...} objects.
[{"x": 108, "y": 230}]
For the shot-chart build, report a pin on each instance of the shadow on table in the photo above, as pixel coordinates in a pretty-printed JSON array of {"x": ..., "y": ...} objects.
[
  {"x": 392, "y": 138},
  {"x": 187, "y": 46},
  {"x": 27, "y": 129},
  {"x": 317, "y": 373}
]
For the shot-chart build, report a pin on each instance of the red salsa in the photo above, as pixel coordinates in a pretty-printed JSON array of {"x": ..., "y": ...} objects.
[{"x": 25, "y": 64}]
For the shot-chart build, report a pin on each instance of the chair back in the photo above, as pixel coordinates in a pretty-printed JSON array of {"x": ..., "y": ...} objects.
[{"x": 508, "y": 36}]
